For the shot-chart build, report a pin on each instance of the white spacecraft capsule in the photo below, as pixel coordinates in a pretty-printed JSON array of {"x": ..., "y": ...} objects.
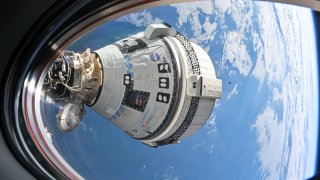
[{"x": 156, "y": 85}]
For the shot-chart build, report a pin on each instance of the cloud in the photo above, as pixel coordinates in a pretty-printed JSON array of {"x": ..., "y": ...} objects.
[
  {"x": 169, "y": 174},
  {"x": 271, "y": 59},
  {"x": 233, "y": 92},
  {"x": 259, "y": 71},
  {"x": 185, "y": 10},
  {"x": 211, "y": 125},
  {"x": 203, "y": 33},
  {"x": 141, "y": 19},
  {"x": 271, "y": 137},
  {"x": 222, "y": 5},
  {"x": 235, "y": 52},
  {"x": 190, "y": 13},
  {"x": 241, "y": 13}
]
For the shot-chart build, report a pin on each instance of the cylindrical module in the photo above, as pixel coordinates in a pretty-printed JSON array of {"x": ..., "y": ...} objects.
[{"x": 156, "y": 85}]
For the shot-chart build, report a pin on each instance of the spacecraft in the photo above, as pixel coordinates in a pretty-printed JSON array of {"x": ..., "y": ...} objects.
[{"x": 156, "y": 86}]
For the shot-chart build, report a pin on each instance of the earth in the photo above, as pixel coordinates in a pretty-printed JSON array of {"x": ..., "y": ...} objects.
[{"x": 263, "y": 127}]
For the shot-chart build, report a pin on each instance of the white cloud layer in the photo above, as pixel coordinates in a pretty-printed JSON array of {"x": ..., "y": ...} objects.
[{"x": 285, "y": 69}]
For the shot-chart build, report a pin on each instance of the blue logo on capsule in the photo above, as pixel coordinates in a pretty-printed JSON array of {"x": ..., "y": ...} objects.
[{"x": 154, "y": 56}]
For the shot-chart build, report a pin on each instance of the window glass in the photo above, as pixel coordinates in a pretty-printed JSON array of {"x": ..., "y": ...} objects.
[{"x": 263, "y": 127}]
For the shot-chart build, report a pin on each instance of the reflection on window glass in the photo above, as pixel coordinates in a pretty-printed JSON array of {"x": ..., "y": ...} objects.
[{"x": 263, "y": 127}]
